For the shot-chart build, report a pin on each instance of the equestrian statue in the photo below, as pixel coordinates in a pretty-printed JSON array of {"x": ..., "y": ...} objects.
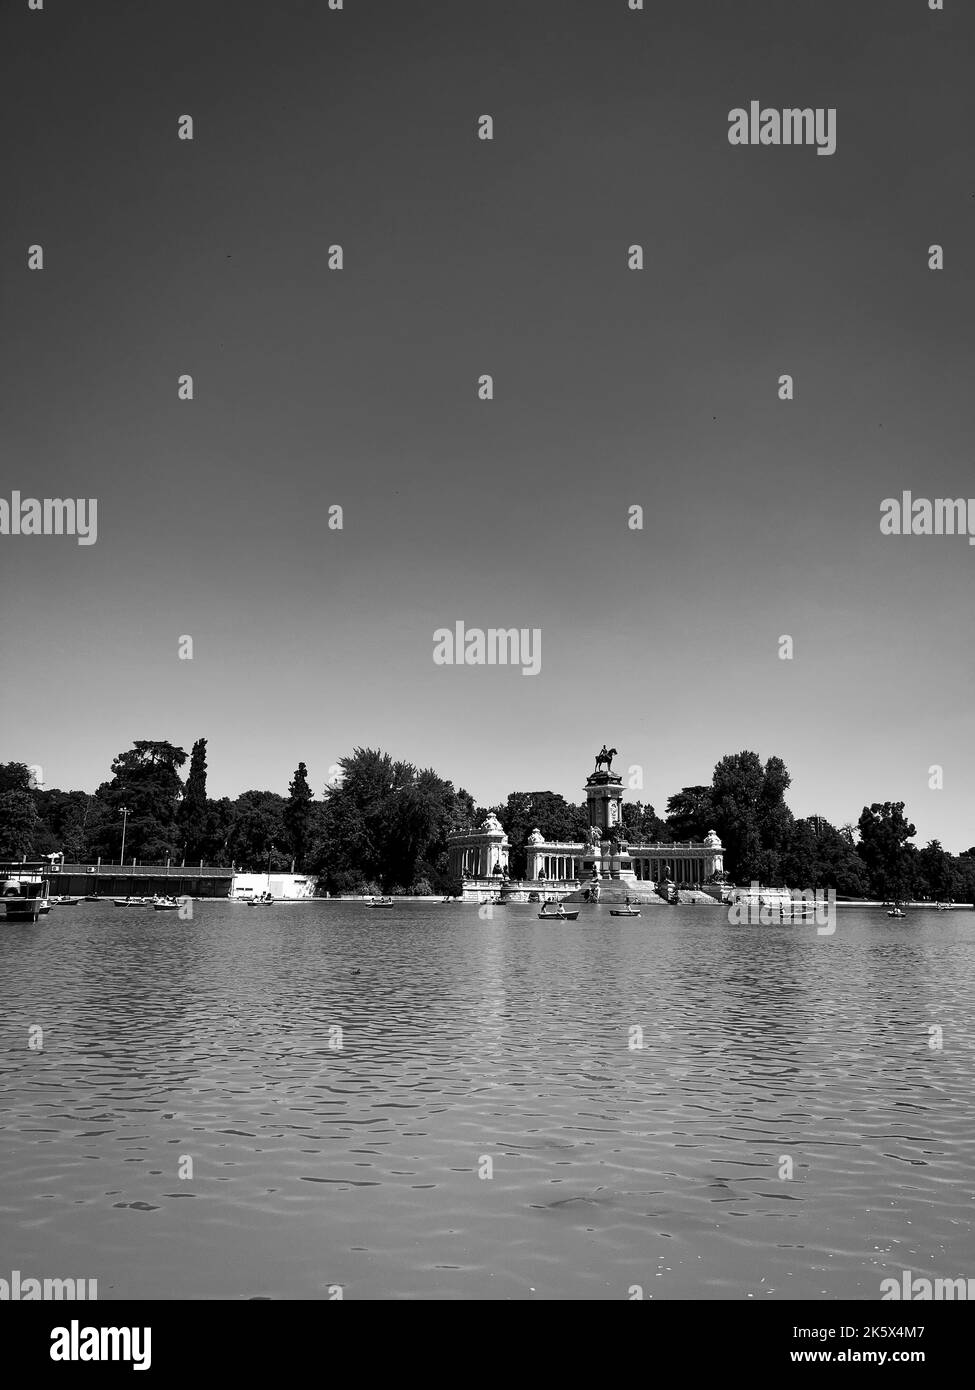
[{"x": 605, "y": 756}]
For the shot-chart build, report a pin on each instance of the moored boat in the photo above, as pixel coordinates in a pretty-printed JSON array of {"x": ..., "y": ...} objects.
[
  {"x": 165, "y": 904},
  {"x": 24, "y": 891}
]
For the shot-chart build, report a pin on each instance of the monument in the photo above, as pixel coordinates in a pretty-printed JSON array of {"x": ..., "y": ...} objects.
[
  {"x": 606, "y": 856},
  {"x": 606, "y": 866}
]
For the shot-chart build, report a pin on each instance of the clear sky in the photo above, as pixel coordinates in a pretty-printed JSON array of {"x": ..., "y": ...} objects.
[{"x": 612, "y": 388}]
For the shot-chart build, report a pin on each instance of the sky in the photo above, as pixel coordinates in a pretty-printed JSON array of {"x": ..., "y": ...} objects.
[{"x": 613, "y": 388}]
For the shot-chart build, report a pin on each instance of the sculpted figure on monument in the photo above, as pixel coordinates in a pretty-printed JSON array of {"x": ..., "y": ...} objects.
[
  {"x": 594, "y": 835},
  {"x": 605, "y": 756}
]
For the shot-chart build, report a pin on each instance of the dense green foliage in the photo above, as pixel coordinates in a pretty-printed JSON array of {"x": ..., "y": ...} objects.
[
  {"x": 19, "y": 822},
  {"x": 192, "y": 814},
  {"x": 382, "y": 825},
  {"x": 386, "y": 822},
  {"x": 299, "y": 816}
]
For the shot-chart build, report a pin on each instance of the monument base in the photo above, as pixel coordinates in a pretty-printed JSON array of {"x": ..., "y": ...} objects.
[{"x": 615, "y": 891}]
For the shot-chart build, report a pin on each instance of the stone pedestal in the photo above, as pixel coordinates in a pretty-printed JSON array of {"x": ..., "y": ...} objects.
[{"x": 608, "y": 864}]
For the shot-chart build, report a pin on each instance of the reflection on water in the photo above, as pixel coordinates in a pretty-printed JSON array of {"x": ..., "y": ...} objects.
[{"x": 317, "y": 1165}]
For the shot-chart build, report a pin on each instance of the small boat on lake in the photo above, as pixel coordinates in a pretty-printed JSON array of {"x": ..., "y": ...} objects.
[
  {"x": 560, "y": 916},
  {"x": 380, "y": 902},
  {"x": 165, "y": 904},
  {"x": 129, "y": 902},
  {"x": 896, "y": 911},
  {"x": 64, "y": 901},
  {"x": 264, "y": 899},
  {"x": 628, "y": 910}
]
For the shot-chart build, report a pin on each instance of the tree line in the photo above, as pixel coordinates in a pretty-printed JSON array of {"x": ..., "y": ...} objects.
[{"x": 383, "y": 825}]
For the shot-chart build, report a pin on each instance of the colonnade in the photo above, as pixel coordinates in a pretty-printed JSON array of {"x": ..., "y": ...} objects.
[
  {"x": 474, "y": 861},
  {"x": 560, "y": 866},
  {"x": 689, "y": 870}
]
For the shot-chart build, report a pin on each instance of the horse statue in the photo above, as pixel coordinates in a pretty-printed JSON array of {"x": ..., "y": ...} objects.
[{"x": 605, "y": 755}]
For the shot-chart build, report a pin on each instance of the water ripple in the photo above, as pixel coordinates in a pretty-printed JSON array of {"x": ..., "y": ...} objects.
[{"x": 483, "y": 1125}]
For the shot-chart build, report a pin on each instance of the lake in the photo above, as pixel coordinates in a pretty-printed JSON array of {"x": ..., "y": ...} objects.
[{"x": 485, "y": 1125}]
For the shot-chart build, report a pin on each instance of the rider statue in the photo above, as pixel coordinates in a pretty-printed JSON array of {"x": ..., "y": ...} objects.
[{"x": 605, "y": 756}]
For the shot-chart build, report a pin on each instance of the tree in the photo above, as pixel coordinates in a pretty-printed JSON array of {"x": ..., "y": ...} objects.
[
  {"x": 801, "y": 863},
  {"x": 63, "y": 820},
  {"x": 750, "y": 815},
  {"x": 15, "y": 777},
  {"x": 257, "y": 833},
  {"x": 775, "y": 820},
  {"x": 385, "y": 821},
  {"x": 964, "y": 867},
  {"x": 214, "y": 846},
  {"x": 643, "y": 825},
  {"x": 555, "y": 818},
  {"x": 841, "y": 867},
  {"x": 737, "y": 793},
  {"x": 19, "y": 823},
  {"x": 884, "y": 848},
  {"x": 690, "y": 814},
  {"x": 192, "y": 816},
  {"x": 818, "y": 855},
  {"x": 939, "y": 878},
  {"x": 298, "y": 814},
  {"x": 146, "y": 780}
]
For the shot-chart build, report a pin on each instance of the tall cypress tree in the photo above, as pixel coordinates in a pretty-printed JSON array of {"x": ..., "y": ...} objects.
[
  {"x": 298, "y": 815},
  {"x": 193, "y": 807}
]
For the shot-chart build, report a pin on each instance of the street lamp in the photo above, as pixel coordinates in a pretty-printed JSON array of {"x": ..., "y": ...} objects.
[{"x": 125, "y": 817}]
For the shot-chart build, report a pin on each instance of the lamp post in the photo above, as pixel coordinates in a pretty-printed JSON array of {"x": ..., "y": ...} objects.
[
  {"x": 125, "y": 819},
  {"x": 269, "y": 853}
]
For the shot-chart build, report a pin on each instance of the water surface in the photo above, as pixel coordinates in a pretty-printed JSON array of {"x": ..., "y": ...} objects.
[{"x": 464, "y": 1041}]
